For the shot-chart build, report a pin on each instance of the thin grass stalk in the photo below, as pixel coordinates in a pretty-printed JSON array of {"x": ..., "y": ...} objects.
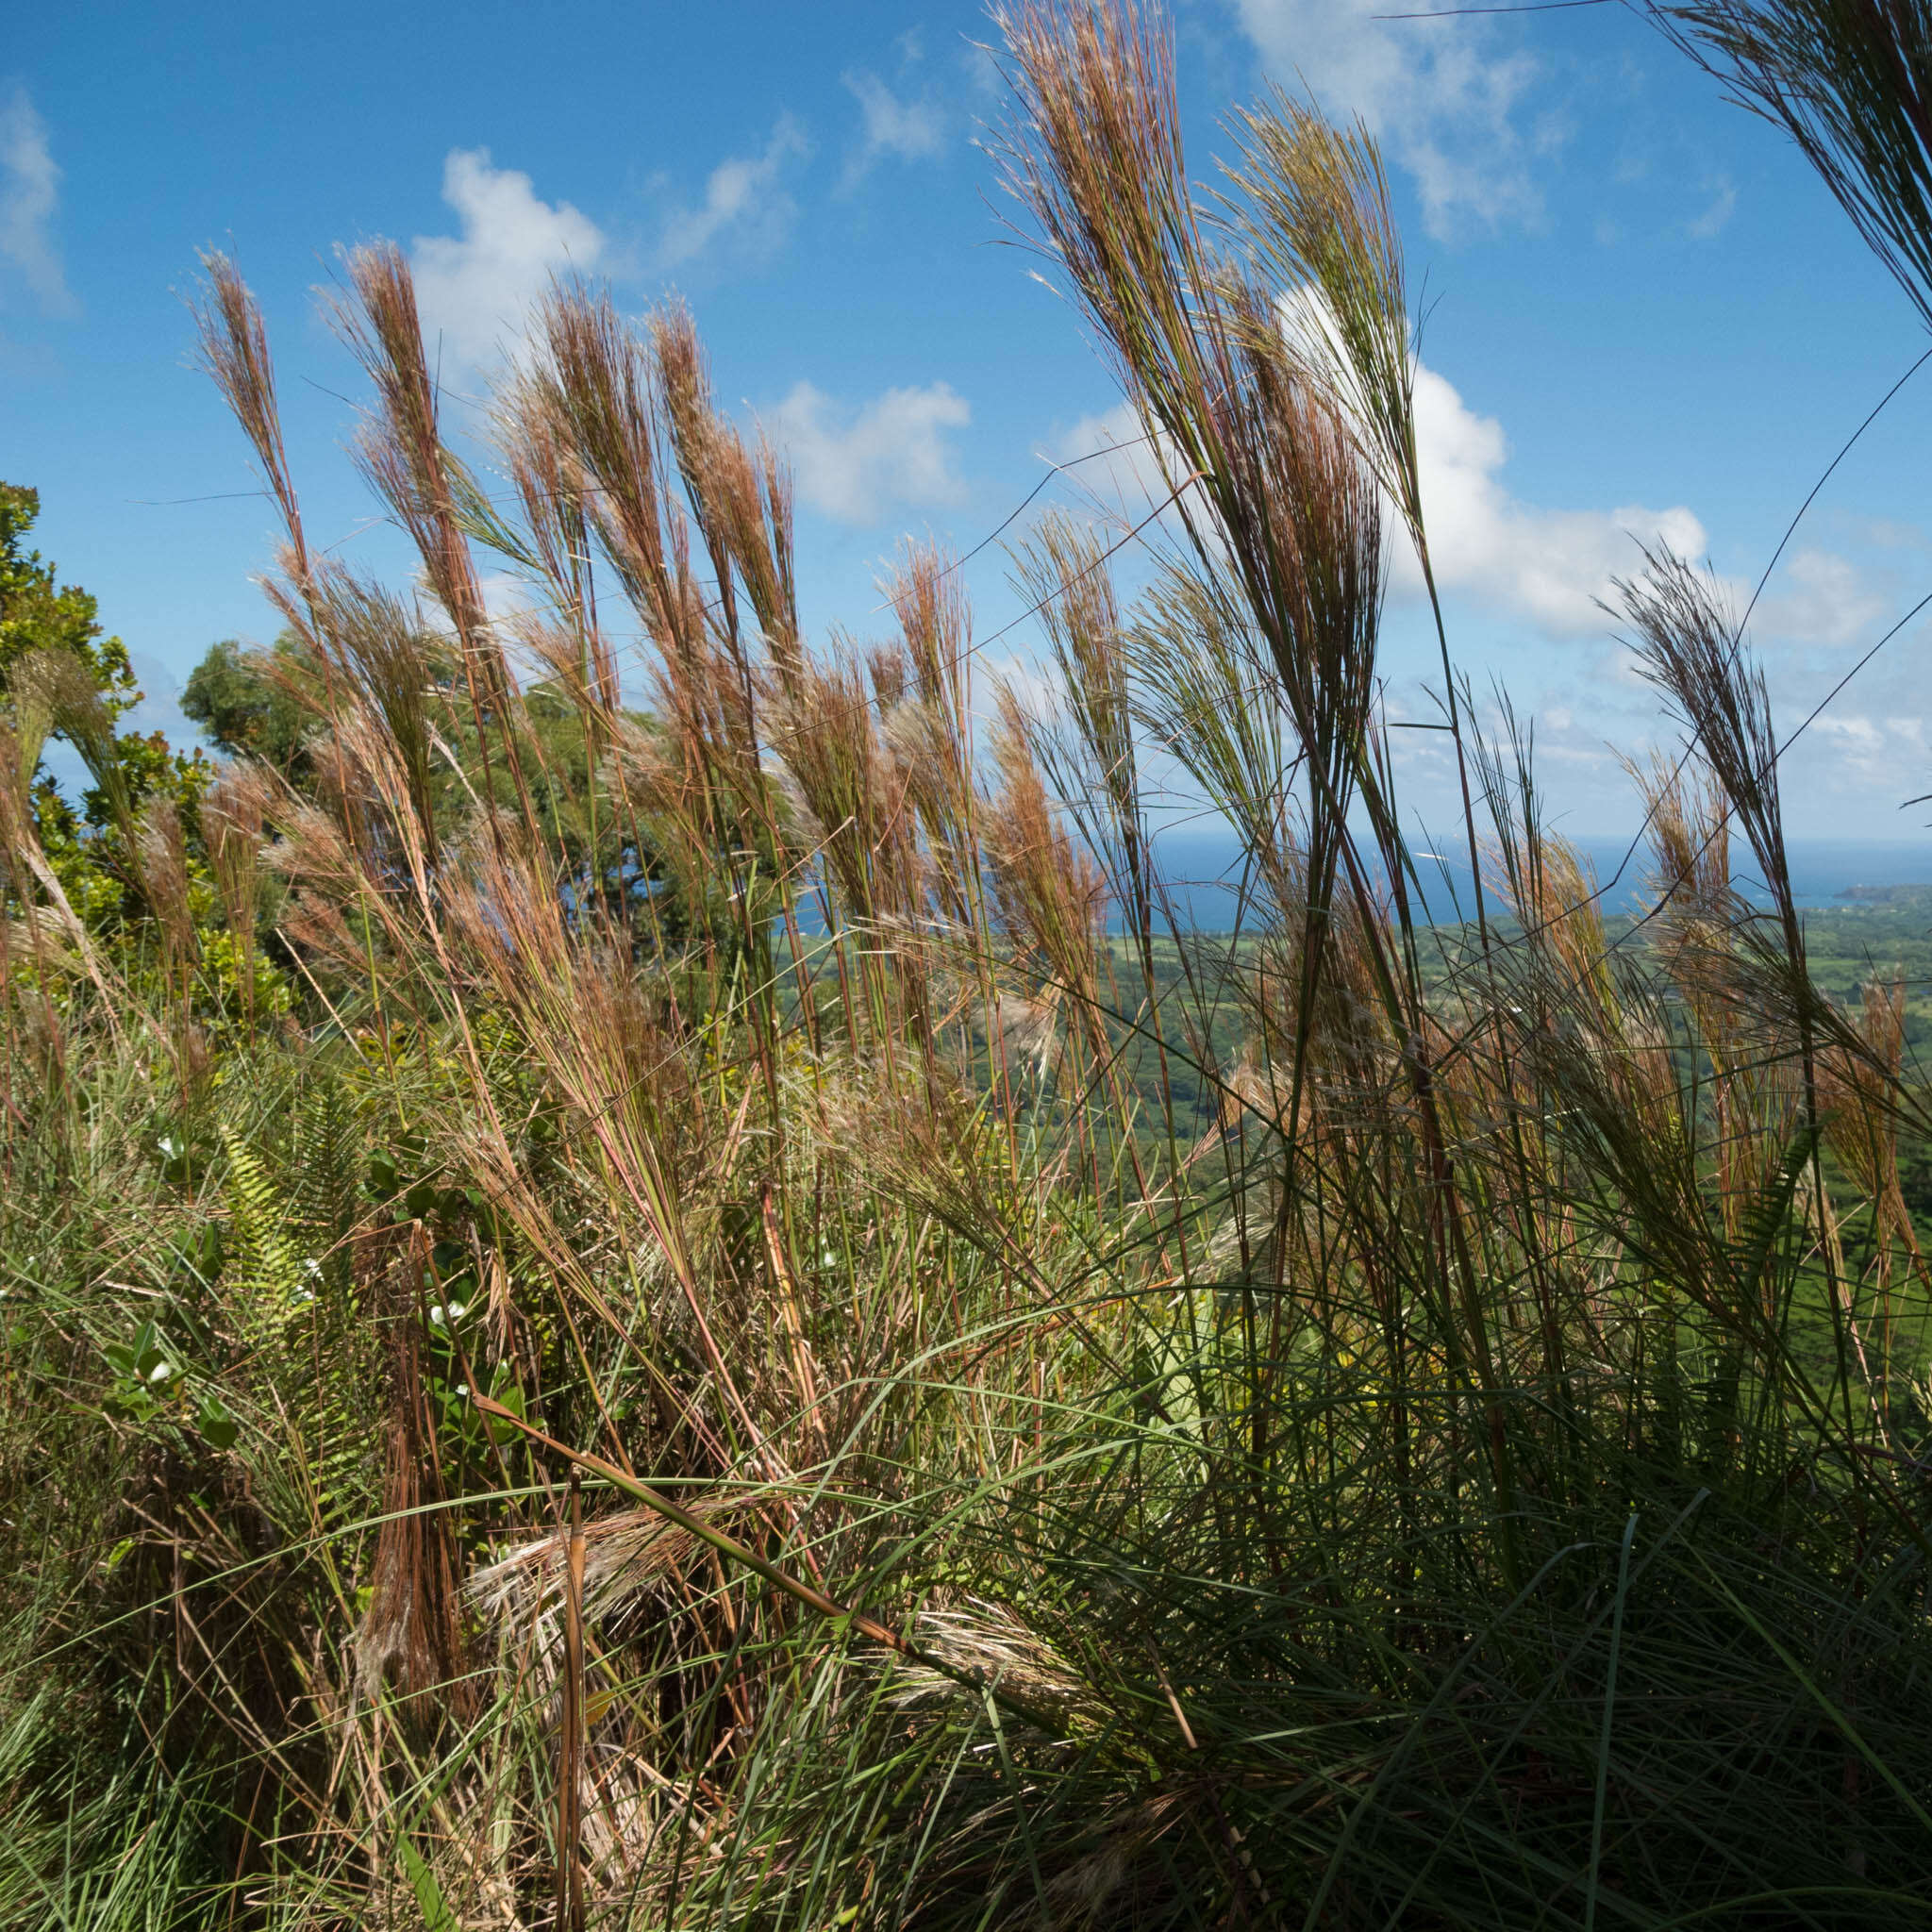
[{"x": 570, "y": 1747}]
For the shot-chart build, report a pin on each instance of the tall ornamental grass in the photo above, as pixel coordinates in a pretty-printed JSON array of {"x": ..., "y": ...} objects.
[{"x": 713, "y": 1315}]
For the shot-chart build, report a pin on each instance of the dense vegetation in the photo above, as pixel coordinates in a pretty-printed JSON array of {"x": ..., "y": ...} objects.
[{"x": 700, "y": 1315}]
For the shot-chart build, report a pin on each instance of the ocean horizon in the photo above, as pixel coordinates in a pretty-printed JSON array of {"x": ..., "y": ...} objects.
[{"x": 1203, "y": 871}]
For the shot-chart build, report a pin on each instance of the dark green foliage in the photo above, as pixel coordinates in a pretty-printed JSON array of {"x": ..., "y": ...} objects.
[
  {"x": 248, "y": 705},
  {"x": 39, "y": 614}
]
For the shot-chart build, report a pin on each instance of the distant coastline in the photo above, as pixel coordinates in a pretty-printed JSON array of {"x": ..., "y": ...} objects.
[{"x": 1204, "y": 870}]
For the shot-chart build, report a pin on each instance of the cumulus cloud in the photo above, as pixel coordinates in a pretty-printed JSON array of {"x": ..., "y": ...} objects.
[
  {"x": 1108, "y": 456},
  {"x": 1549, "y": 566},
  {"x": 891, "y": 128},
  {"x": 1445, "y": 103},
  {"x": 857, "y": 465},
  {"x": 29, "y": 194},
  {"x": 1822, "y": 598},
  {"x": 745, "y": 201},
  {"x": 1856, "y": 755},
  {"x": 474, "y": 289}
]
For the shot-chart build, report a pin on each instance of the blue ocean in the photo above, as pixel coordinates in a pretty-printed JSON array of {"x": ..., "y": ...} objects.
[{"x": 1204, "y": 870}]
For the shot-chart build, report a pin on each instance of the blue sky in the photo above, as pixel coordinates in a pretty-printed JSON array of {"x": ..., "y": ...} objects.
[{"x": 1646, "y": 315}]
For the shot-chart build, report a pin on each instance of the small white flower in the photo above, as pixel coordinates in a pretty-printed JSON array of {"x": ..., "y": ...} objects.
[
  {"x": 160, "y": 1371},
  {"x": 462, "y": 1389}
]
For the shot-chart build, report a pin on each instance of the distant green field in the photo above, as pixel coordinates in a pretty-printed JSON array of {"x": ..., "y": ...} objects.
[{"x": 1887, "y": 935}]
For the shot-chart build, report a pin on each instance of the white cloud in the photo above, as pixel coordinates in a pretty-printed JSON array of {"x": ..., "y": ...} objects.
[
  {"x": 857, "y": 465},
  {"x": 474, "y": 289},
  {"x": 1887, "y": 533},
  {"x": 1442, "y": 95},
  {"x": 745, "y": 200},
  {"x": 1548, "y": 566},
  {"x": 1822, "y": 598},
  {"x": 1724, "y": 200},
  {"x": 902, "y": 130},
  {"x": 1109, "y": 457},
  {"x": 1856, "y": 754},
  {"x": 29, "y": 194}
]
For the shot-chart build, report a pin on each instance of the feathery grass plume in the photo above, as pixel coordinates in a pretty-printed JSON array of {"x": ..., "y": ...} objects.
[
  {"x": 1050, "y": 897},
  {"x": 161, "y": 863},
  {"x": 1094, "y": 766},
  {"x": 235, "y": 354},
  {"x": 1328, "y": 563},
  {"x": 1690, "y": 834},
  {"x": 30, "y": 690},
  {"x": 1204, "y": 689},
  {"x": 28, "y": 871},
  {"x": 922, "y": 687},
  {"x": 233, "y": 822},
  {"x": 1690, "y": 646},
  {"x": 1851, "y": 82},
  {"x": 1311, "y": 201},
  {"x": 62, "y": 688},
  {"x": 1096, "y": 159},
  {"x": 1697, "y": 918},
  {"x": 828, "y": 741},
  {"x": 1862, "y": 1129},
  {"x": 743, "y": 510},
  {"x": 605, "y": 394},
  {"x": 592, "y": 1025},
  {"x": 233, "y": 342},
  {"x": 550, "y": 490},
  {"x": 1061, "y": 571},
  {"x": 403, "y": 456},
  {"x": 741, "y": 498},
  {"x": 1563, "y": 958},
  {"x": 381, "y": 652},
  {"x": 596, "y": 380},
  {"x": 555, "y": 543},
  {"x": 922, "y": 757}
]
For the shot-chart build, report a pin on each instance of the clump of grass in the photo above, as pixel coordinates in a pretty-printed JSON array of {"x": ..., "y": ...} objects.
[{"x": 1466, "y": 1476}]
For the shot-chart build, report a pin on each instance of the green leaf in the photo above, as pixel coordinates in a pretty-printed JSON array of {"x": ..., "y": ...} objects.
[
  {"x": 437, "y": 1915},
  {"x": 218, "y": 1427}
]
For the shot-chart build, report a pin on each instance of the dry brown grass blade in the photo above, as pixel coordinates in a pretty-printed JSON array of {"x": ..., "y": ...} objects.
[
  {"x": 413, "y": 1629},
  {"x": 778, "y": 1578},
  {"x": 570, "y": 1749}
]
